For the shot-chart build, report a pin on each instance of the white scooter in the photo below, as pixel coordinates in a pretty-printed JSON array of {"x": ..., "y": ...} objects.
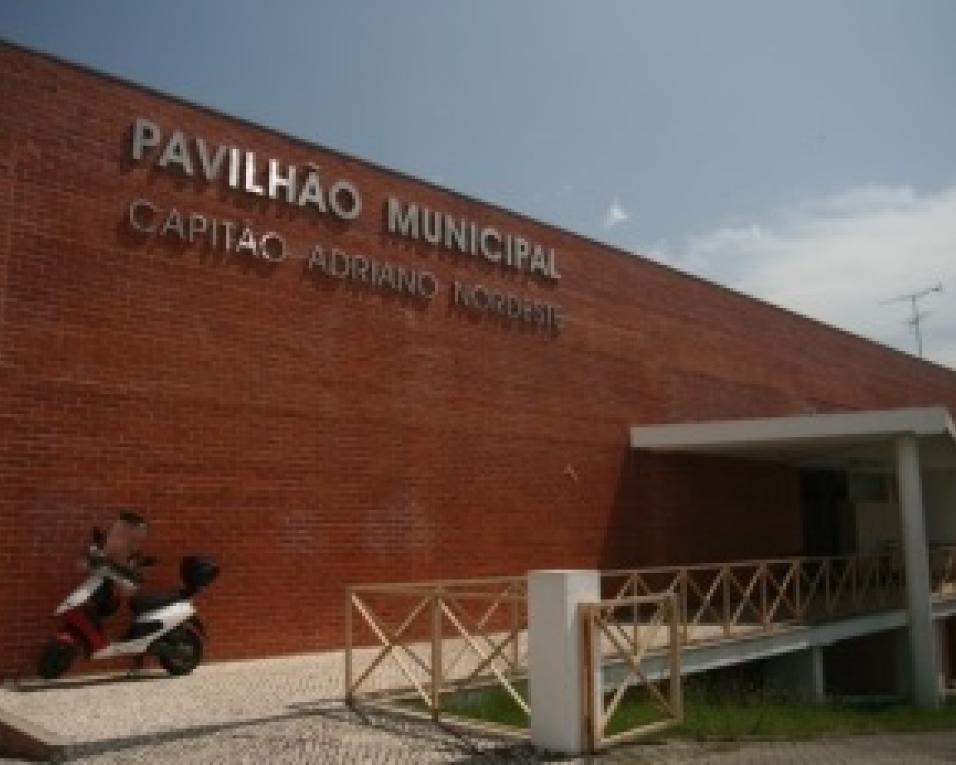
[{"x": 166, "y": 624}]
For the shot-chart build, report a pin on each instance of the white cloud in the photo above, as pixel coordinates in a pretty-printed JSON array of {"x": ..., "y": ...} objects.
[
  {"x": 836, "y": 258},
  {"x": 615, "y": 215}
]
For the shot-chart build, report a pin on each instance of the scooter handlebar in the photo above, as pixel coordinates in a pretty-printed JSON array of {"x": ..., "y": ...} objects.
[{"x": 95, "y": 559}]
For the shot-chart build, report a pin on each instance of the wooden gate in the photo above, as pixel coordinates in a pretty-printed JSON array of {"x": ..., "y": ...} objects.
[{"x": 607, "y": 638}]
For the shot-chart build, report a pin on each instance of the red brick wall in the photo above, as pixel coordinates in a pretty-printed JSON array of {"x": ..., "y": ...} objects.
[{"x": 311, "y": 436}]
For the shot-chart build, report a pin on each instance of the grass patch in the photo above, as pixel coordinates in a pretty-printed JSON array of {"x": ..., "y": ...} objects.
[
  {"x": 490, "y": 703},
  {"x": 722, "y": 713},
  {"x": 738, "y": 716}
]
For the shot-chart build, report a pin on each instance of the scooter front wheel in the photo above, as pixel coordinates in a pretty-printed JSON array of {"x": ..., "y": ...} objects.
[
  {"x": 181, "y": 652},
  {"x": 55, "y": 659}
]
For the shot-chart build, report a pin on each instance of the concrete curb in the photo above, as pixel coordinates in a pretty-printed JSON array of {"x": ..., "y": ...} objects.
[{"x": 27, "y": 740}]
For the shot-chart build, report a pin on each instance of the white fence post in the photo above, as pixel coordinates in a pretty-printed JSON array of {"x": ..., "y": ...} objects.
[{"x": 557, "y": 684}]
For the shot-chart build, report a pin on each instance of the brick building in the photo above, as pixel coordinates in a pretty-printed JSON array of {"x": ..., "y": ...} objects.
[{"x": 330, "y": 397}]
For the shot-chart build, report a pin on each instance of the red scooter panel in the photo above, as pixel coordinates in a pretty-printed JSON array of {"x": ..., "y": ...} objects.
[{"x": 79, "y": 621}]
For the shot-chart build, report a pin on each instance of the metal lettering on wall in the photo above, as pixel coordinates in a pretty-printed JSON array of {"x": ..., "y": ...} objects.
[
  {"x": 308, "y": 188},
  {"x": 193, "y": 157}
]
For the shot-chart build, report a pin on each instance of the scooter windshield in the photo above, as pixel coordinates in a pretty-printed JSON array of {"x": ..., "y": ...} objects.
[{"x": 123, "y": 541}]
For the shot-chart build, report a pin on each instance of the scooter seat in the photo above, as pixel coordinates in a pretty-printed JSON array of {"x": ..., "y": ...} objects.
[{"x": 142, "y": 602}]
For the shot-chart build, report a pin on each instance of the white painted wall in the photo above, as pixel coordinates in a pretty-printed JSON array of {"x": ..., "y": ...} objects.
[{"x": 876, "y": 524}]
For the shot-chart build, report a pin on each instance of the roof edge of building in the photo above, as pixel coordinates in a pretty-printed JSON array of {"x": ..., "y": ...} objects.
[{"x": 864, "y": 423}]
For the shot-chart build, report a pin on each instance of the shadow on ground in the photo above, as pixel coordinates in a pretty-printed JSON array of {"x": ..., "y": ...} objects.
[
  {"x": 461, "y": 744},
  {"x": 39, "y": 686}
]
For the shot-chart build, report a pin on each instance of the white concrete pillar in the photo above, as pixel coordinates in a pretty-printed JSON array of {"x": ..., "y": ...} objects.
[
  {"x": 556, "y": 680},
  {"x": 797, "y": 675},
  {"x": 916, "y": 558}
]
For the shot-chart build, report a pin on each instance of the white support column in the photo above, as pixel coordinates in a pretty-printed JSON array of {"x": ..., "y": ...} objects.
[
  {"x": 922, "y": 643},
  {"x": 556, "y": 681}
]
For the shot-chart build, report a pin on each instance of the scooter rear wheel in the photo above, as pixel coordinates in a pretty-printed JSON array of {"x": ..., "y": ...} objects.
[
  {"x": 55, "y": 659},
  {"x": 182, "y": 652}
]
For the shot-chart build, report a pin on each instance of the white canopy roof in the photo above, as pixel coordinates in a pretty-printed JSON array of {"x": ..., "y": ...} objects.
[{"x": 808, "y": 438}]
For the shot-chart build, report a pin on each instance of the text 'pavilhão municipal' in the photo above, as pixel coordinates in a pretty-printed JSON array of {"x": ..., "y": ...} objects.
[{"x": 305, "y": 187}]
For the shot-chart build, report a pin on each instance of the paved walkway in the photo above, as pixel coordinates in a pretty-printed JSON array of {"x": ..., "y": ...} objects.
[{"x": 289, "y": 710}]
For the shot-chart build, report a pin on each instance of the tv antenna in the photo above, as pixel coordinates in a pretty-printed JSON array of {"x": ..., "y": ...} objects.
[{"x": 917, "y": 316}]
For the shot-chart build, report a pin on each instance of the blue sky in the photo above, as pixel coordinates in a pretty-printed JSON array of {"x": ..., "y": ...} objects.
[{"x": 804, "y": 151}]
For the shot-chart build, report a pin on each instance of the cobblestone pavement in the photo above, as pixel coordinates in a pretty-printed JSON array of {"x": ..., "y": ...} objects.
[
  {"x": 289, "y": 710},
  {"x": 330, "y": 734},
  {"x": 109, "y": 707}
]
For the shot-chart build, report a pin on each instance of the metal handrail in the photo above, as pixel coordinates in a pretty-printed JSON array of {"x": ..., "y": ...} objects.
[
  {"x": 726, "y": 600},
  {"x": 429, "y": 630}
]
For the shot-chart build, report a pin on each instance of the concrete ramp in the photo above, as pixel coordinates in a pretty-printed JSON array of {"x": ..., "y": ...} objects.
[
  {"x": 24, "y": 739},
  {"x": 704, "y": 656}
]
